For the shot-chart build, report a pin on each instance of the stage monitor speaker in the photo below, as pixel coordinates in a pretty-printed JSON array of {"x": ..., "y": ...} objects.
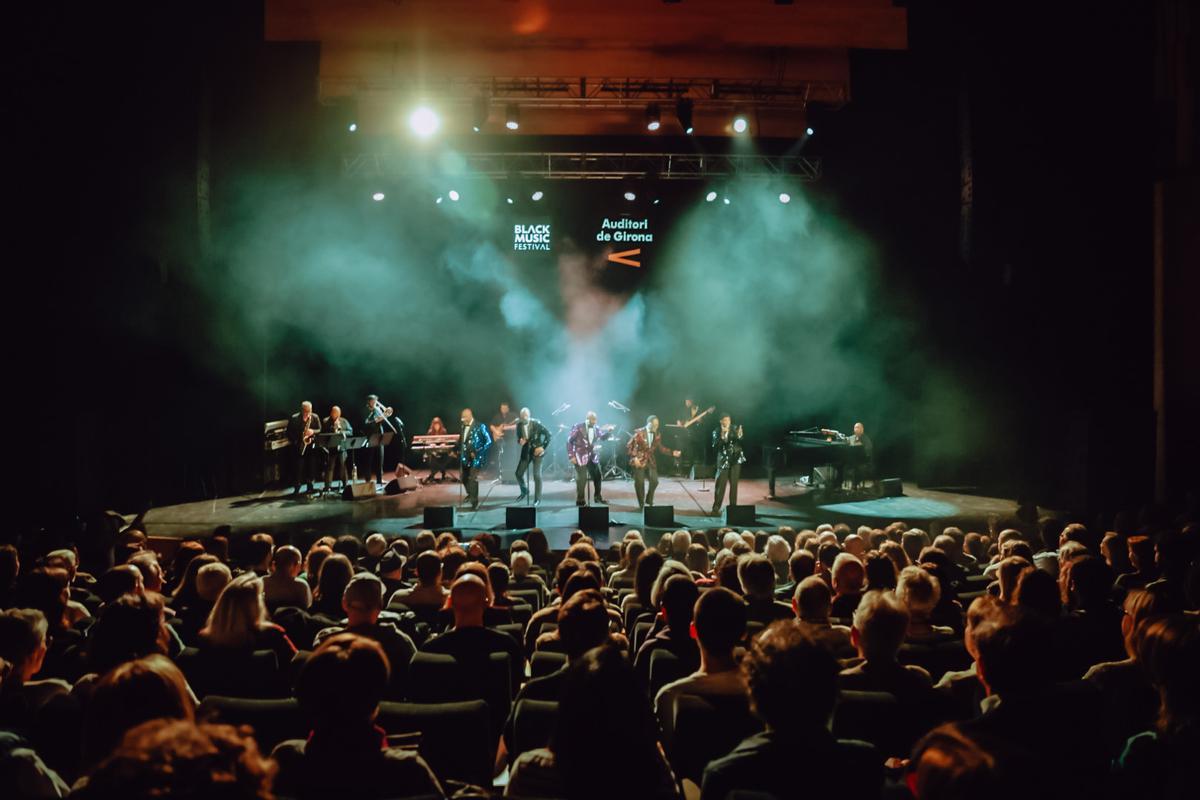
[
  {"x": 404, "y": 483},
  {"x": 439, "y": 517},
  {"x": 739, "y": 515},
  {"x": 359, "y": 491},
  {"x": 593, "y": 518},
  {"x": 891, "y": 487},
  {"x": 516, "y": 517},
  {"x": 659, "y": 517}
]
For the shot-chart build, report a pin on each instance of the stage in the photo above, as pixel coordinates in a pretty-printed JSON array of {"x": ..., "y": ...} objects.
[{"x": 301, "y": 519}]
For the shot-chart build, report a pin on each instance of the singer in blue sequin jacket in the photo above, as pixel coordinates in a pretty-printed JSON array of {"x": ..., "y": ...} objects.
[{"x": 474, "y": 445}]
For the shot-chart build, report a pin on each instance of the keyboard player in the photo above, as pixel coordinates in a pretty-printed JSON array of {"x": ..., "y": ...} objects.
[{"x": 438, "y": 458}]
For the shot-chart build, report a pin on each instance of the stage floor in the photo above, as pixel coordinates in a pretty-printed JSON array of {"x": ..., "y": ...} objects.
[{"x": 283, "y": 513}]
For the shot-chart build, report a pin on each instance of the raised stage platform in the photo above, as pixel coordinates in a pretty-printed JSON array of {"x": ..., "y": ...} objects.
[{"x": 300, "y": 518}]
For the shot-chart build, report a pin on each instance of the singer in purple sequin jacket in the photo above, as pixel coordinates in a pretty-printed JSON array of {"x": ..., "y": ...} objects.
[{"x": 579, "y": 450}]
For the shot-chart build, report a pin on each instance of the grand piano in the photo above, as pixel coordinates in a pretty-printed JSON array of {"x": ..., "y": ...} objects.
[{"x": 809, "y": 449}]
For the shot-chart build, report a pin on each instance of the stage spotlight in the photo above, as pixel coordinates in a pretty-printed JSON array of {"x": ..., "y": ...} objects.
[
  {"x": 657, "y": 200},
  {"x": 708, "y": 198},
  {"x": 630, "y": 195},
  {"x": 353, "y": 127},
  {"x": 740, "y": 122},
  {"x": 424, "y": 122},
  {"x": 378, "y": 196},
  {"x": 785, "y": 198},
  {"x": 512, "y": 116},
  {"x": 653, "y": 117},
  {"x": 438, "y": 201},
  {"x": 809, "y": 131},
  {"x": 538, "y": 195},
  {"x": 725, "y": 200},
  {"x": 453, "y": 195},
  {"x": 508, "y": 200},
  {"x": 683, "y": 110}
]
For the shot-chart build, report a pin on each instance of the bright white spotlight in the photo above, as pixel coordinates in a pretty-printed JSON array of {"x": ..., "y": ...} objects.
[
  {"x": 453, "y": 195},
  {"x": 353, "y": 127},
  {"x": 424, "y": 122},
  {"x": 657, "y": 200},
  {"x": 740, "y": 123},
  {"x": 538, "y": 195},
  {"x": 809, "y": 131},
  {"x": 512, "y": 116},
  {"x": 708, "y": 198},
  {"x": 438, "y": 201},
  {"x": 508, "y": 200},
  {"x": 653, "y": 117},
  {"x": 785, "y": 198},
  {"x": 630, "y": 195},
  {"x": 378, "y": 196},
  {"x": 725, "y": 200}
]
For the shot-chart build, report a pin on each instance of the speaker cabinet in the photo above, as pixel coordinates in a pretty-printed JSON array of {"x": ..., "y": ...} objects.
[
  {"x": 518, "y": 517},
  {"x": 891, "y": 487},
  {"x": 593, "y": 518},
  {"x": 439, "y": 517},
  {"x": 658, "y": 517},
  {"x": 359, "y": 491},
  {"x": 404, "y": 483},
  {"x": 739, "y": 515}
]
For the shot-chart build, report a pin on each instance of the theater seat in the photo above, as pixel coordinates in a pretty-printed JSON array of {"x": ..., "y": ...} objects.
[
  {"x": 456, "y": 738},
  {"x": 521, "y": 613},
  {"x": 438, "y": 678},
  {"x": 532, "y": 597},
  {"x": 545, "y": 662},
  {"x": 273, "y": 720},
  {"x": 707, "y": 728},
  {"x": 232, "y": 673},
  {"x": 875, "y": 717},
  {"x": 640, "y": 631},
  {"x": 665, "y": 667},
  {"x": 937, "y": 658},
  {"x": 533, "y": 725}
]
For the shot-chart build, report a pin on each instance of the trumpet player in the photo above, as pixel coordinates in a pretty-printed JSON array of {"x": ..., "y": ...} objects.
[
  {"x": 533, "y": 438},
  {"x": 302, "y": 431},
  {"x": 583, "y": 450},
  {"x": 375, "y": 424},
  {"x": 727, "y": 442},
  {"x": 643, "y": 450}
]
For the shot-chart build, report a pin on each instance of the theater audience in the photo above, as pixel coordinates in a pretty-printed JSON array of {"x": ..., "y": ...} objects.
[
  {"x": 346, "y": 754},
  {"x": 811, "y": 604},
  {"x": 720, "y": 624},
  {"x": 880, "y": 623},
  {"x": 336, "y": 572},
  {"x": 239, "y": 622},
  {"x": 847, "y": 578},
  {"x": 792, "y": 682},
  {"x": 757, "y": 579},
  {"x": 469, "y": 642},
  {"x": 677, "y": 601},
  {"x": 601, "y": 702},
  {"x": 133, "y": 692},
  {"x": 283, "y": 587},
  {"x": 363, "y": 603},
  {"x": 429, "y": 592},
  {"x": 920, "y": 593}
]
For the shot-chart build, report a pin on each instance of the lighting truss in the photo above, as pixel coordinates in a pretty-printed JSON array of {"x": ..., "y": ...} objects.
[{"x": 593, "y": 166}]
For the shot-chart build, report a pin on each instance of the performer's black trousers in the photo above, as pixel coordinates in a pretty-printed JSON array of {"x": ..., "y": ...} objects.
[
  {"x": 729, "y": 475},
  {"x": 305, "y": 469},
  {"x": 335, "y": 463},
  {"x": 524, "y": 464},
  {"x": 582, "y": 473},
  {"x": 470, "y": 479},
  {"x": 376, "y": 465},
  {"x": 645, "y": 495}
]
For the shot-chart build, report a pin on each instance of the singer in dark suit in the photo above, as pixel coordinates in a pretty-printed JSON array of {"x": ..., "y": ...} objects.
[
  {"x": 302, "y": 430},
  {"x": 643, "y": 450},
  {"x": 727, "y": 442},
  {"x": 533, "y": 438},
  {"x": 335, "y": 459},
  {"x": 583, "y": 451},
  {"x": 473, "y": 448}
]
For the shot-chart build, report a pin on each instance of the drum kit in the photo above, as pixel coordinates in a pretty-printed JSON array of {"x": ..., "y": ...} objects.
[{"x": 558, "y": 467}]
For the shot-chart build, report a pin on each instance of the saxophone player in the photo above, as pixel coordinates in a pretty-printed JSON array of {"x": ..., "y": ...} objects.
[
  {"x": 302, "y": 430},
  {"x": 643, "y": 450}
]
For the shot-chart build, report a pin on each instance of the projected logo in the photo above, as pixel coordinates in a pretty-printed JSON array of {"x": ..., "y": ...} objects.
[
  {"x": 532, "y": 237},
  {"x": 625, "y": 231}
]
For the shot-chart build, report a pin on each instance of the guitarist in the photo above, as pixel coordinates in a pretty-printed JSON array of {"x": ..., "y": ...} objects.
[
  {"x": 503, "y": 421},
  {"x": 583, "y": 451},
  {"x": 727, "y": 442},
  {"x": 302, "y": 430},
  {"x": 533, "y": 438},
  {"x": 643, "y": 449},
  {"x": 692, "y": 415}
]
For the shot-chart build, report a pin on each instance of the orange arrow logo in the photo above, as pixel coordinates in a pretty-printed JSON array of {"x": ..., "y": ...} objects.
[{"x": 623, "y": 257}]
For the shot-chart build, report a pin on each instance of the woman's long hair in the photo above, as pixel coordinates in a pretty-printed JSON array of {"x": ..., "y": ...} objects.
[{"x": 238, "y": 615}]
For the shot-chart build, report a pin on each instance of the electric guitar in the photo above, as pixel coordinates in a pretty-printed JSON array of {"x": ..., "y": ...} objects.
[{"x": 698, "y": 417}]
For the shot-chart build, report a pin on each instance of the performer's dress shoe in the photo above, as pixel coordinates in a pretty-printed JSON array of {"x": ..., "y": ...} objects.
[
  {"x": 537, "y": 502},
  {"x": 601, "y": 500},
  {"x": 524, "y": 496},
  {"x": 580, "y": 503},
  {"x": 716, "y": 512}
]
